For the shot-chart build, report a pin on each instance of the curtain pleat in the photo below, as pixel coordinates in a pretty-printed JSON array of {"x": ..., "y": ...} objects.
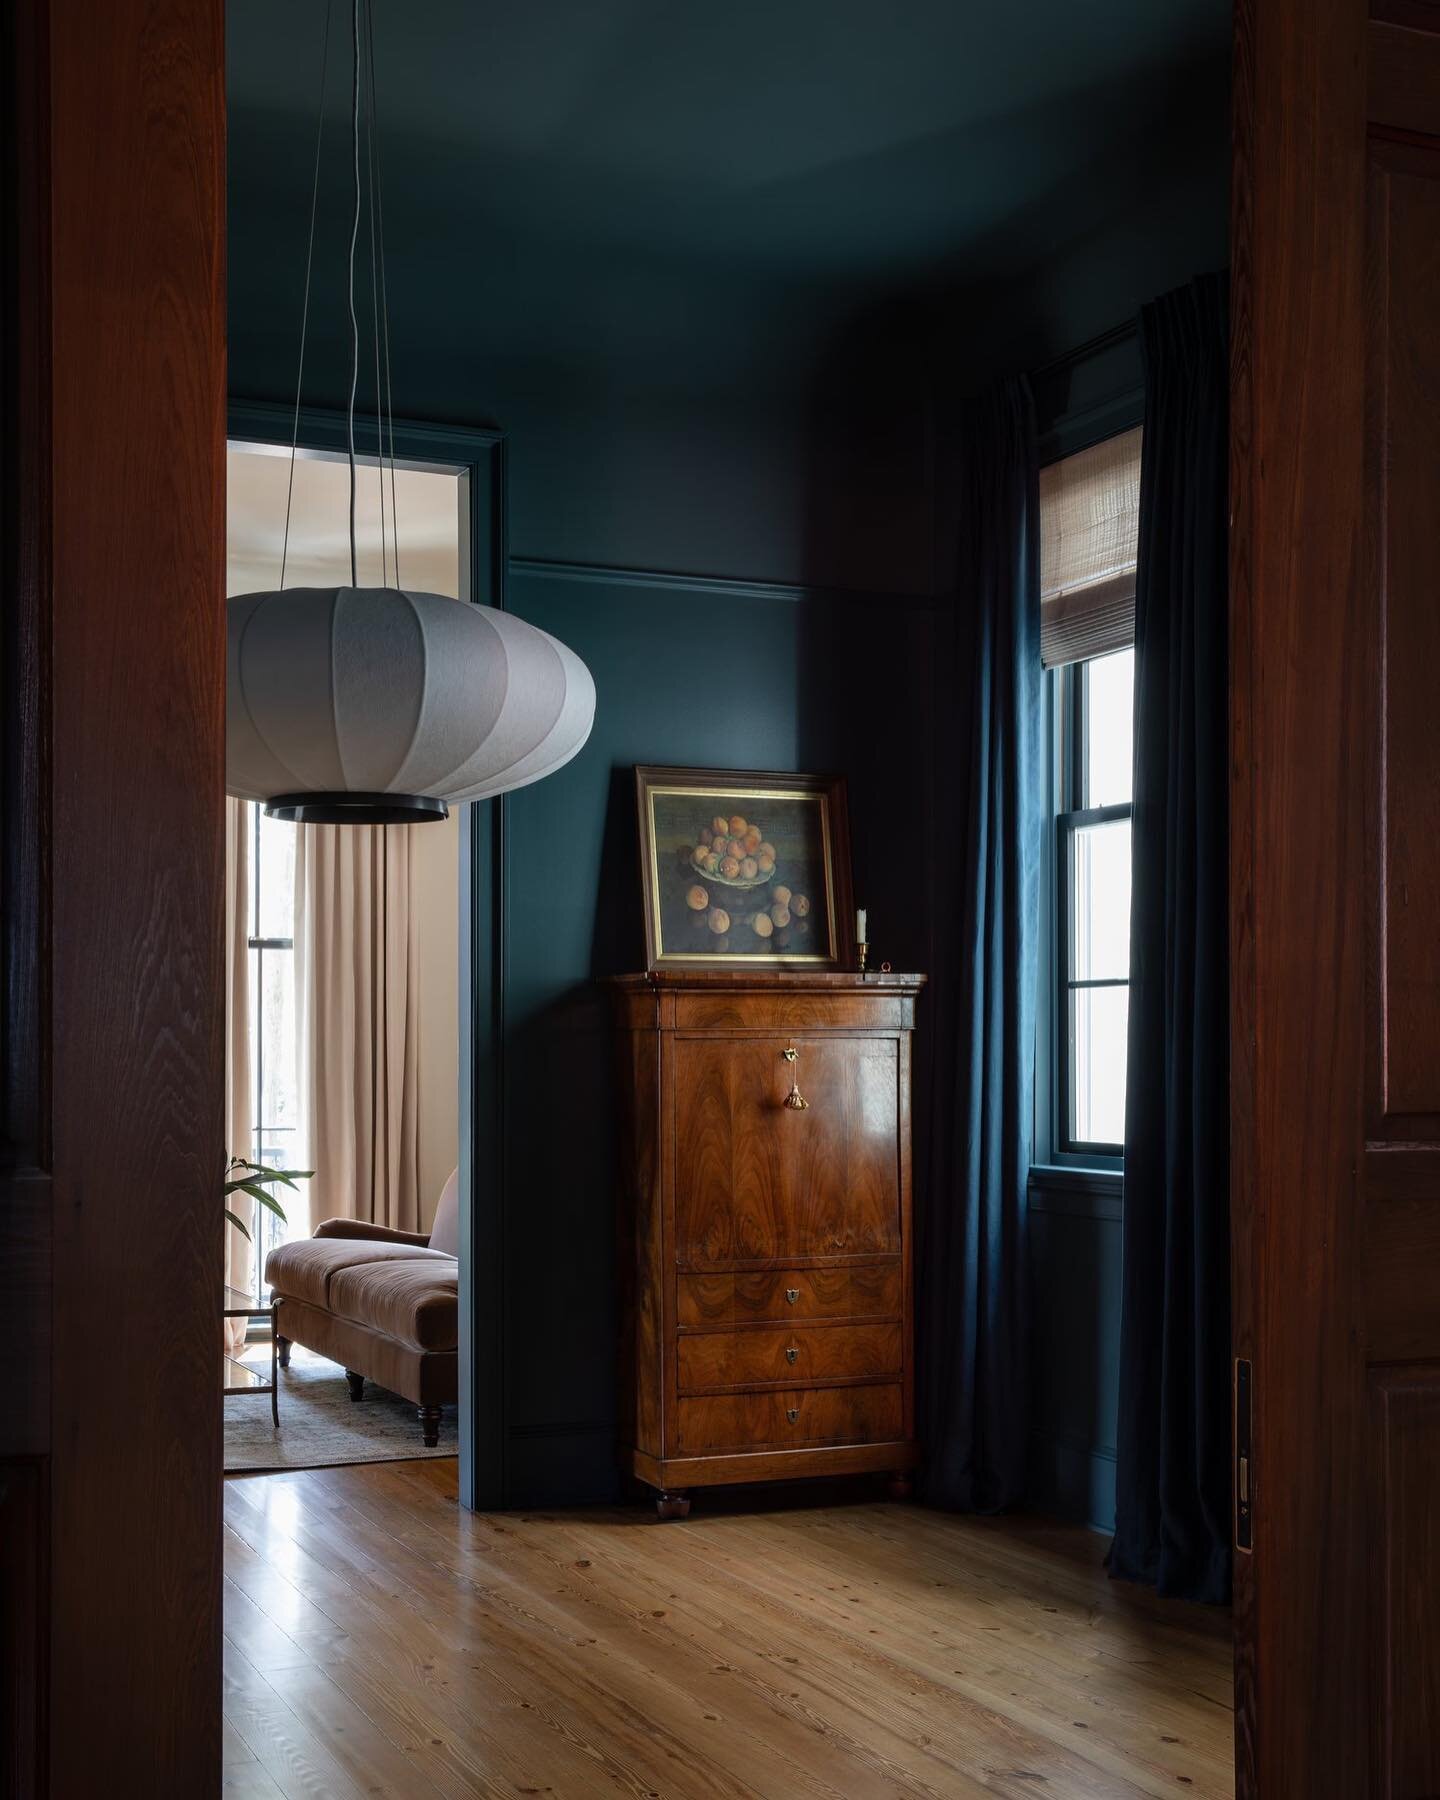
[
  {"x": 358, "y": 997},
  {"x": 1172, "y": 1525},
  {"x": 974, "y": 1328}
]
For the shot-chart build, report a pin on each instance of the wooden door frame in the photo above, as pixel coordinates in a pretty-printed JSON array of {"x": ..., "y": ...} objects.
[
  {"x": 482, "y": 453},
  {"x": 112, "y": 1060}
]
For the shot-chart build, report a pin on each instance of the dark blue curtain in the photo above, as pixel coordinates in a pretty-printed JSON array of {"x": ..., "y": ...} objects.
[
  {"x": 974, "y": 1326},
  {"x": 1172, "y": 1524}
]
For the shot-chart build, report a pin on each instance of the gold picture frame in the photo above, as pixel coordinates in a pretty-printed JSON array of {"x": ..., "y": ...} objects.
[{"x": 773, "y": 894}]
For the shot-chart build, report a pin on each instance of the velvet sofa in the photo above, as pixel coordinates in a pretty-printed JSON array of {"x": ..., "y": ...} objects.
[{"x": 383, "y": 1304}]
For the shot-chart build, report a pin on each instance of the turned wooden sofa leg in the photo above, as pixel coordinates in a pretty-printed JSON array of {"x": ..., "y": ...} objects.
[
  {"x": 430, "y": 1425},
  {"x": 357, "y": 1384},
  {"x": 282, "y": 1350}
]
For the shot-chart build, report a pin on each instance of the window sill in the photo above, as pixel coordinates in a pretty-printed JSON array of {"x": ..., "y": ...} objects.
[{"x": 1077, "y": 1192}]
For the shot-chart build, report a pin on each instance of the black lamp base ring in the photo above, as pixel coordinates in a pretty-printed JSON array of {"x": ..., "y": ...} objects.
[{"x": 356, "y": 809}]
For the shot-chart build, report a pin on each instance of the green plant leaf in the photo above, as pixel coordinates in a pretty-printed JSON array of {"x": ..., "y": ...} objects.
[
  {"x": 258, "y": 1193},
  {"x": 239, "y": 1224}
]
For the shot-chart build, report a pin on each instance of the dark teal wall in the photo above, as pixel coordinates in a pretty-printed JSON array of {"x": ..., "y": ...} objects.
[
  {"x": 731, "y": 678},
  {"x": 1075, "y": 1351},
  {"x": 696, "y": 420}
]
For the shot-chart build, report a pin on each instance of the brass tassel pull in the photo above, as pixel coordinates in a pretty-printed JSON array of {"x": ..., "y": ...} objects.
[{"x": 795, "y": 1100}]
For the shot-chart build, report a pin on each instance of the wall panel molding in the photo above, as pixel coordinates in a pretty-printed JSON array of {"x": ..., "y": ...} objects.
[{"x": 731, "y": 586}]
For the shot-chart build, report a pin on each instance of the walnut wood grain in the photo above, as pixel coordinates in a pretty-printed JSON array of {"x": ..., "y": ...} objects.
[
  {"x": 839, "y": 1415},
  {"x": 114, "y": 948},
  {"x": 849, "y": 1291},
  {"x": 788, "y": 1355},
  {"x": 790, "y": 1012},
  {"x": 751, "y": 1230},
  {"x": 1404, "y": 439},
  {"x": 1335, "y": 979},
  {"x": 1405, "y": 1414},
  {"x": 756, "y": 1180}
]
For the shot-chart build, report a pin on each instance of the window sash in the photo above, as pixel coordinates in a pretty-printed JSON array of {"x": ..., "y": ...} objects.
[
  {"x": 1072, "y": 814},
  {"x": 1067, "y": 984}
]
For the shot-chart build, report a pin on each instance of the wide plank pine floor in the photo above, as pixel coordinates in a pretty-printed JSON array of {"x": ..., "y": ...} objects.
[{"x": 379, "y": 1641}]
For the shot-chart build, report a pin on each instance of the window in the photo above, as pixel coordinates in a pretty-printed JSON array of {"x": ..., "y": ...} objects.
[
  {"x": 1089, "y": 528},
  {"x": 1094, "y": 712},
  {"x": 274, "y": 1084}
]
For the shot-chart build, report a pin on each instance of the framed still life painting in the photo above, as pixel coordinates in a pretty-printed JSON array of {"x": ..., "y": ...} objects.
[{"x": 744, "y": 869}]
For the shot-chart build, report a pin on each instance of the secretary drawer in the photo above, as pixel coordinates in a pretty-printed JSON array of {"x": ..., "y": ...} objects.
[
  {"x": 849, "y": 1291},
  {"x": 790, "y": 1012},
  {"x": 793, "y": 1416},
  {"x": 711, "y": 1361}
]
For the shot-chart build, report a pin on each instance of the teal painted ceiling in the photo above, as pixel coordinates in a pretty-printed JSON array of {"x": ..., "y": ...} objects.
[{"x": 566, "y": 174}]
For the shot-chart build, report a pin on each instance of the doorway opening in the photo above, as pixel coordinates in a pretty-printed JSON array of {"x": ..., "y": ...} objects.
[{"x": 346, "y": 1303}]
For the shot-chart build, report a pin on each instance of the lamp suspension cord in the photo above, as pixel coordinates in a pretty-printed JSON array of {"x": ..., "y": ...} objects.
[
  {"x": 305, "y": 309},
  {"x": 379, "y": 181},
  {"x": 374, "y": 284},
  {"x": 354, "y": 239}
]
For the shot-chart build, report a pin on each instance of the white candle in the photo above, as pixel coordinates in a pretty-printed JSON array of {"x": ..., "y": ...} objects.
[{"x": 860, "y": 926}]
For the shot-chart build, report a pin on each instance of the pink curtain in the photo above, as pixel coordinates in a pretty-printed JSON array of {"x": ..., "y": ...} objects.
[{"x": 357, "y": 996}]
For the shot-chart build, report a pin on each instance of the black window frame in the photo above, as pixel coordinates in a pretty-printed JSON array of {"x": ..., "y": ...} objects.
[{"x": 1070, "y": 811}]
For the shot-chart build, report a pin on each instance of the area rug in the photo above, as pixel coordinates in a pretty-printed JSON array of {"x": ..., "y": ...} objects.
[{"x": 320, "y": 1424}]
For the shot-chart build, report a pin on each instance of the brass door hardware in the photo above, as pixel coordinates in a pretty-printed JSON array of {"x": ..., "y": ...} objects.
[
  {"x": 792, "y": 1413},
  {"x": 792, "y": 1295},
  {"x": 1244, "y": 1460},
  {"x": 795, "y": 1100},
  {"x": 792, "y": 1354}
]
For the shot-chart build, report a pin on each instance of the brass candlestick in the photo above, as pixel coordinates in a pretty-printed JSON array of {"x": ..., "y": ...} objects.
[{"x": 862, "y": 950}]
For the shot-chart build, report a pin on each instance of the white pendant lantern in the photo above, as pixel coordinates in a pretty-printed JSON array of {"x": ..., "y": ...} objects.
[
  {"x": 380, "y": 706},
  {"x": 354, "y": 705}
]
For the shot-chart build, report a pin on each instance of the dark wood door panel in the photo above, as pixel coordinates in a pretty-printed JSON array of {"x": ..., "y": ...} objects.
[
  {"x": 1404, "y": 497},
  {"x": 1402, "y": 1275},
  {"x": 1335, "y": 844},
  {"x": 1405, "y": 1425},
  {"x": 848, "y": 1291},
  {"x": 790, "y": 1416},
  {"x": 757, "y": 1180},
  {"x": 112, "y": 694},
  {"x": 784, "y": 1356}
]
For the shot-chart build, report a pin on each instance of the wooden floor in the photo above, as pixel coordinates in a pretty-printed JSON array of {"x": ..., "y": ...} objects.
[{"x": 379, "y": 1641}]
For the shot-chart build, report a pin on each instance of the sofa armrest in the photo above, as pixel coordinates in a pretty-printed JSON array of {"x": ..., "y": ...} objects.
[{"x": 373, "y": 1234}]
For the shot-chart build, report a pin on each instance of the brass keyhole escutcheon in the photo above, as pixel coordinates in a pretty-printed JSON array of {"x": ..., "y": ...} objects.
[
  {"x": 792, "y": 1413},
  {"x": 795, "y": 1100},
  {"x": 792, "y": 1354},
  {"x": 792, "y": 1295}
]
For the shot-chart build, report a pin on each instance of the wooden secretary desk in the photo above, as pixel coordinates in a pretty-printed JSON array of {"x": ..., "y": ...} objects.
[{"x": 765, "y": 1228}]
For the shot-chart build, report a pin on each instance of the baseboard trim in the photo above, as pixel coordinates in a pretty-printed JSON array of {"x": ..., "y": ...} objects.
[
  {"x": 1073, "y": 1480},
  {"x": 565, "y": 1428},
  {"x": 561, "y": 1464}
]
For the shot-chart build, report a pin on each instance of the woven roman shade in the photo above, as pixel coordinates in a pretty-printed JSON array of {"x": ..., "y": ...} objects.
[{"x": 1089, "y": 527}]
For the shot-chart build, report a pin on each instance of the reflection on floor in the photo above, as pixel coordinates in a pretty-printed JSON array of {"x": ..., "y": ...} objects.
[{"x": 381, "y": 1641}]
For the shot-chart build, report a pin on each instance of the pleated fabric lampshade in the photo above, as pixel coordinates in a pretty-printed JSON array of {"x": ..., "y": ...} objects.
[{"x": 382, "y": 706}]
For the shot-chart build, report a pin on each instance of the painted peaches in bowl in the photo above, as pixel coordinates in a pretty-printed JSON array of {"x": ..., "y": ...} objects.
[{"x": 734, "y": 853}]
